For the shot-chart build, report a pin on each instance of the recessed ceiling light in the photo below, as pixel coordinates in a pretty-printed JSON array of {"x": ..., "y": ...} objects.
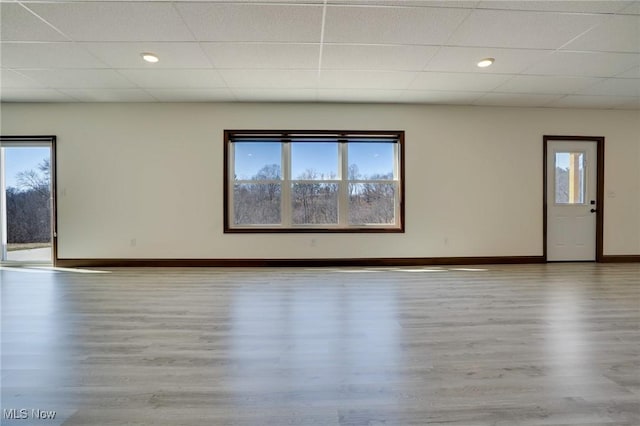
[
  {"x": 150, "y": 57},
  {"x": 486, "y": 62}
]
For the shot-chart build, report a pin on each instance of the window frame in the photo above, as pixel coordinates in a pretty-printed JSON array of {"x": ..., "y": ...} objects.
[{"x": 341, "y": 137}]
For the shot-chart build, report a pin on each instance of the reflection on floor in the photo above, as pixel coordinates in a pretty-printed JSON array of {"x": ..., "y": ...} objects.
[
  {"x": 31, "y": 255},
  {"x": 554, "y": 344}
]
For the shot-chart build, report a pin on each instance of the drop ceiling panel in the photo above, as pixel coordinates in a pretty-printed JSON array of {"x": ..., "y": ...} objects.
[
  {"x": 389, "y": 25},
  {"x": 175, "y": 78},
  {"x": 283, "y": 95},
  {"x": 441, "y": 97},
  {"x": 579, "y": 101},
  {"x": 614, "y": 87},
  {"x": 632, "y": 103},
  {"x": 630, "y": 73},
  {"x": 464, "y": 59},
  {"x": 34, "y": 95},
  {"x": 349, "y": 79},
  {"x": 512, "y": 29},
  {"x": 588, "y": 6},
  {"x": 376, "y": 57},
  {"x": 589, "y": 64},
  {"x": 633, "y": 9},
  {"x": 263, "y": 55},
  {"x": 253, "y": 22},
  {"x": 410, "y": 51},
  {"x": 616, "y": 34},
  {"x": 47, "y": 55},
  {"x": 109, "y": 95},
  {"x": 359, "y": 95},
  {"x": 79, "y": 79},
  {"x": 270, "y": 79},
  {"x": 546, "y": 84},
  {"x": 461, "y": 82},
  {"x": 115, "y": 21},
  {"x": 515, "y": 100},
  {"x": 407, "y": 3},
  {"x": 13, "y": 80},
  {"x": 18, "y": 24},
  {"x": 192, "y": 95},
  {"x": 127, "y": 55}
]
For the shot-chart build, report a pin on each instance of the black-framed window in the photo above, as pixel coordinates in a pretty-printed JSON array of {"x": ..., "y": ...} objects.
[{"x": 313, "y": 181}]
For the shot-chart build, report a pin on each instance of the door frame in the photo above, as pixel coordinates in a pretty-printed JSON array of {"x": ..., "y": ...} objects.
[
  {"x": 51, "y": 140},
  {"x": 599, "y": 188}
]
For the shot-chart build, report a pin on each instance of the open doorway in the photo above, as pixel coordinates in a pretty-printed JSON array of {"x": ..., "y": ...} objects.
[{"x": 27, "y": 200}]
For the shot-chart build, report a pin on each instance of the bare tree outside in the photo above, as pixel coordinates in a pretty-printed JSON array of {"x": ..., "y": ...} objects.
[
  {"x": 371, "y": 202},
  {"x": 315, "y": 202},
  {"x": 29, "y": 209},
  {"x": 259, "y": 203},
  {"x": 311, "y": 189}
]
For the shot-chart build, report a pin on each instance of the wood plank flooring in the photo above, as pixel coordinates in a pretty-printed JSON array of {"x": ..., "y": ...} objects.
[{"x": 550, "y": 344}]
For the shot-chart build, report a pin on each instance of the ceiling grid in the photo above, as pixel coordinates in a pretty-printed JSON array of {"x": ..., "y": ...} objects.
[{"x": 565, "y": 54}]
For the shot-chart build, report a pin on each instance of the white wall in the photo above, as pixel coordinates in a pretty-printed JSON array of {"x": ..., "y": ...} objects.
[{"x": 153, "y": 173}]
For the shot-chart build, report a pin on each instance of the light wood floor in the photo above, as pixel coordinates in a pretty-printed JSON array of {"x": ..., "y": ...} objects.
[{"x": 555, "y": 344}]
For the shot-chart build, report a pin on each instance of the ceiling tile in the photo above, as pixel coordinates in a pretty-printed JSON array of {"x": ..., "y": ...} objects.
[
  {"x": 115, "y": 21},
  {"x": 546, "y": 84},
  {"x": 515, "y": 100},
  {"x": 616, "y": 34},
  {"x": 535, "y": 30},
  {"x": 614, "y": 87},
  {"x": 270, "y": 79},
  {"x": 192, "y": 95},
  {"x": 360, "y": 95},
  {"x": 79, "y": 79},
  {"x": 171, "y": 54},
  {"x": 633, "y": 72},
  {"x": 579, "y": 101},
  {"x": 253, "y": 22},
  {"x": 174, "y": 78},
  {"x": 350, "y": 79},
  {"x": 460, "y": 82},
  {"x": 376, "y": 57},
  {"x": 47, "y": 55},
  {"x": 632, "y": 103},
  {"x": 588, "y": 6},
  {"x": 13, "y": 80},
  {"x": 109, "y": 95},
  {"x": 33, "y": 95},
  {"x": 263, "y": 55},
  {"x": 391, "y": 25},
  {"x": 464, "y": 59},
  {"x": 282, "y": 95},
  {"x": 590, "y": 64},
  {"x": 407, "y": 3},
  {"x": 441, "y": 97},
  {"x": 18, "y": 24},
  {"x": 632, "y": 9}
]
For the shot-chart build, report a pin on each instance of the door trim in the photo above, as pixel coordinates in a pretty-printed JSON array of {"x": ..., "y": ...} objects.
[
  {"x": 599, "y": 189},
  {"x": 54, "y": 186}
]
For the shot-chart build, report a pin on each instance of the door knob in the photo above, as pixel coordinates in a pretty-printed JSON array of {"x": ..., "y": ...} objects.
[{"x": 593, "y": 210}]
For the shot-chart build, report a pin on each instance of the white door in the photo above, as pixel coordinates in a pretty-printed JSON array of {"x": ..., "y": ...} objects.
[{"x": 571, "y": 200}]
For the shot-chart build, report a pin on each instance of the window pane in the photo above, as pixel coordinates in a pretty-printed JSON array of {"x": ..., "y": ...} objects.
[
  {"x": 371, "y": 203},
  {"x": 314, "y": 161},
  {"x": 257, "y": 160},
  {"x": 370, "y": 161},
  {"x": 569, "y": 177},
  {"x": 314, "y": 203},
  {"x": 256, "y": 204}
]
